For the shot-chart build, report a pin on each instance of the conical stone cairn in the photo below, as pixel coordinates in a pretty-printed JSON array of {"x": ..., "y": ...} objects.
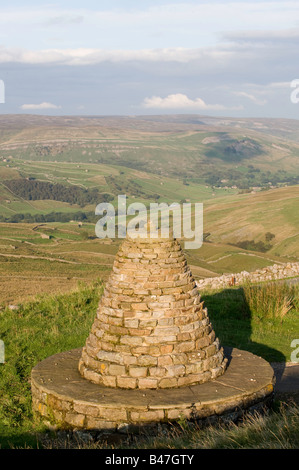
[{"x": 151, "y": 330}]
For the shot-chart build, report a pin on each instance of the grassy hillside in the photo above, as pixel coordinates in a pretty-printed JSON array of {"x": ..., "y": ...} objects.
[
  {"x": 150, "y": 159},
  {"x": 109, "y": 179},
  {"x": 31, "y": 263},
  {"x": 240, "y": 152},
  {"x": 252, "y": 216}
]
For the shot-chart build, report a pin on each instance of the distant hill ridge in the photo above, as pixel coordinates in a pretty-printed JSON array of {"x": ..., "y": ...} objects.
[{"x": 221, "y": 152}]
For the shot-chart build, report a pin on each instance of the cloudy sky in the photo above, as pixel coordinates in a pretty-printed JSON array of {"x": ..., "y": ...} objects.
[{"x": 130, "y": 57}]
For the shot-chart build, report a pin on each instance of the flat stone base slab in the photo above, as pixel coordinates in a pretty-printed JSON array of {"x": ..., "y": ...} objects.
[{"x": 61, "y": 396}]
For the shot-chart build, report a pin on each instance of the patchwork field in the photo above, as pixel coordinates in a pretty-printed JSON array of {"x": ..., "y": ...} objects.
[
  {"x": 31, "y": 264},
  {"x": 244, "y": 172}
]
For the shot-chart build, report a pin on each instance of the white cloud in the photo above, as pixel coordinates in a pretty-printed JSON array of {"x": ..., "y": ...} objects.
[
  {"x": 173, "y": 17},
  {"x": 64, "y": 19},
  {"x": 251, "y": 97},
  {"x": 289, "y": 34},
  {"x": 181, "y": 101},
  {"x": 124, "y": 35},
  {"x": 43, "y": 105},
  {"x": 85, "y": 56},
  {"x": 285, "y": 85}
]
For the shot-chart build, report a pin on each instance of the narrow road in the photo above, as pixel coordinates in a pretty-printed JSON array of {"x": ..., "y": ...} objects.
[
  {"x": 39, "y": 257},
  {"x": 287, "y": 380}
]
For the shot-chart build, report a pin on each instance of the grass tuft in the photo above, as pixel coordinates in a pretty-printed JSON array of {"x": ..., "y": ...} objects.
[{"x": 271, "y": 301}]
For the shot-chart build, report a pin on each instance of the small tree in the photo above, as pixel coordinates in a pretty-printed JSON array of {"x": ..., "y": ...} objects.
[{"x": 269, "y": 236}]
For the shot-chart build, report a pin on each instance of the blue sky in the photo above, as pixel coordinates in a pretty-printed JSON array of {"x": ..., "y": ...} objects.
[{"x": 230, "y": 58}]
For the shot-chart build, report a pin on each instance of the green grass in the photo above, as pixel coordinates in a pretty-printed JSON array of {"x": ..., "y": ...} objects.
[
  {"x": 288, "y": 247},
  {"x": 236, "y": 262},
  {"x": 51, "y": 324},
  {"x": 37, "y": 330},
  {"x": 247, "y": 318}
]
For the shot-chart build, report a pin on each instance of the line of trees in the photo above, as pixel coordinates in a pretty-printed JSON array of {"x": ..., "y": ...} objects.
[
  {"x": 260, "y": 246},
  {"x": 34, "y": 190},
  {"x": 51, "y": 217}
]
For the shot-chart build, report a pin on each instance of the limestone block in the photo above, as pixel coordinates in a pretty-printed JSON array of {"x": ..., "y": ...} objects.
[
  {"x": 115, "y": 369},
  {"x": 147, "y": 360},
  {"x": 126, "y": 382},
  {"x": 145, "y": 383},
  {"x": 138, "y": 371}
]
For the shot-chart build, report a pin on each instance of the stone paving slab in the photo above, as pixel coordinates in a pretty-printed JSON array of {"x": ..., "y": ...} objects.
[
  {"x": 287, "y": 376},
  {"x": 62, "y": 396}
]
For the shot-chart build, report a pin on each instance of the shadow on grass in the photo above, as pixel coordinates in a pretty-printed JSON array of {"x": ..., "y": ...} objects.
[{"x": 232, "y": 321}]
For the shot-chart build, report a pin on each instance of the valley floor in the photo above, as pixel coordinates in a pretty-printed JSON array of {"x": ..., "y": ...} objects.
[{"x": 54, "y": 257}]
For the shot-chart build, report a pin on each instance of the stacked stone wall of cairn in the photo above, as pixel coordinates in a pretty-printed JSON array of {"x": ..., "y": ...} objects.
[
  {"x": 151, "y": 330},
  {"x": 269, "y": 273}
]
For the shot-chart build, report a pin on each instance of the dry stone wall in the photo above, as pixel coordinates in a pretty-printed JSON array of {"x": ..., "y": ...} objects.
[
  {"x": 270, "y": 273},
  {"x": 151, "y": 330}
]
